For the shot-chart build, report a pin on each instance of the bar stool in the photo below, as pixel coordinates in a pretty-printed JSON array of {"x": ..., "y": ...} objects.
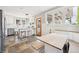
[{"x": 38, "y": 46}]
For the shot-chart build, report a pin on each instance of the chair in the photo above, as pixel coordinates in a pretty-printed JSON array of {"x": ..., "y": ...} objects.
[{"x": 66, "y": 48}]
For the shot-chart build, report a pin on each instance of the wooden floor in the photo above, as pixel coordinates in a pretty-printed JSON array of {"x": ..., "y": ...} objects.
[
  {"x": 23, "y": 46},
  {"x": 74, "y": 47}
]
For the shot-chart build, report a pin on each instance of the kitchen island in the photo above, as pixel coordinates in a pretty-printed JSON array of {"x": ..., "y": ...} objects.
[{"x": 56, "y": 41}]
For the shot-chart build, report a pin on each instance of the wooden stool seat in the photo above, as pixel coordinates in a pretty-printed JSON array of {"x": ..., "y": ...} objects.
[{"x": 37, "y": 45}]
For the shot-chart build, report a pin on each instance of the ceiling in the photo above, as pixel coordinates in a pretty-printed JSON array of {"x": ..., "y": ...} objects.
[{"x": 34, "y": 10}]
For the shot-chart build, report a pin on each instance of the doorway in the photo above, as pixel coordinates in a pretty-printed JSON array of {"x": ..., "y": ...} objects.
[{"x": 39, "y": 26}]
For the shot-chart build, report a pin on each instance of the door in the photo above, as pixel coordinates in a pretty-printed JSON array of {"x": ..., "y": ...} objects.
[
  {"x": 1, "y": 32},
  {"x": 38, "y": 26}
]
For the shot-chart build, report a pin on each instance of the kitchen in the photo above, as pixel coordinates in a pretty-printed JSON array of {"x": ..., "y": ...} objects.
[{"x": 40, "y": 29}]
